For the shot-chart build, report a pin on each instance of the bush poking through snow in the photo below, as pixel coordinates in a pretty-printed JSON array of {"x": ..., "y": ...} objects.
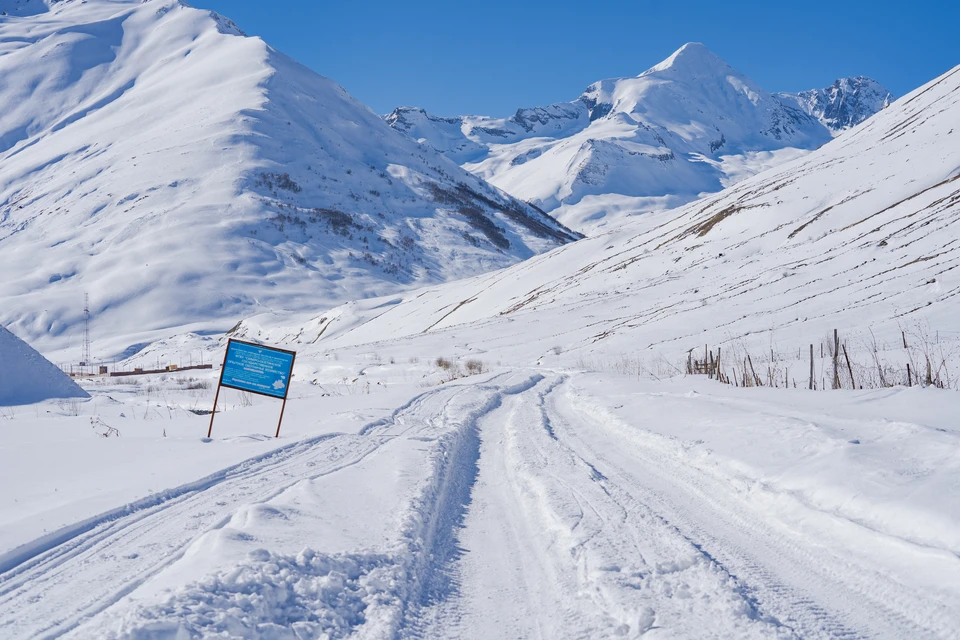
[
  {"x": 103, "y": 429},
  {"x": 474, "y": 367},
  {"x": 455, "y": 372}
]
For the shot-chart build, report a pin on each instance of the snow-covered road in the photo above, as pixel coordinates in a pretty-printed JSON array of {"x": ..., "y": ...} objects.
[
  {"x": 582, "y": 525},
  {"x": 529, "y": 504}
]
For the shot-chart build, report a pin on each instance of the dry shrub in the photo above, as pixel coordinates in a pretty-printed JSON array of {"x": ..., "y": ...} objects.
[{"x": 473, "y": 367}]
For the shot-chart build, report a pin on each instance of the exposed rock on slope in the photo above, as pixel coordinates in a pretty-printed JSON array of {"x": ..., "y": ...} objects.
[{"x": 844, "y": 104}]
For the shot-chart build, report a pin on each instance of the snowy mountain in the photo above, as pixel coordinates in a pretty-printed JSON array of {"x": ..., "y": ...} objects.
[
  {"x": 688, "y": 126},
  {"x": 26, "y": 377},
  {"x": 859, "y": 236},
  {"x": 184, "y": 174},
  {"x": 583, "y": 472},
  {"x": 843, "y": 105},
  {"x": 522, "y": 453}
]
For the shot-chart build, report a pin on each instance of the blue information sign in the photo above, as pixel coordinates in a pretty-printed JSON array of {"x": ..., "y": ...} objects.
[{"x": 257, "y": 369}]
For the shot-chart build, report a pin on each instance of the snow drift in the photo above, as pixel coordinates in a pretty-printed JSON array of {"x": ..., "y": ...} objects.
[{"x": 27, "y": 377}]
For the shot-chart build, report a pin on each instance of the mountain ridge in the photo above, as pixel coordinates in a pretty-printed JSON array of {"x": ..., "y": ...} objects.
[
  {"x": 687, "y": 126},
  {"x": 149, "y": 149},
  {"x": 844, "y": 104},
  {"x": 858, "y": 236}
]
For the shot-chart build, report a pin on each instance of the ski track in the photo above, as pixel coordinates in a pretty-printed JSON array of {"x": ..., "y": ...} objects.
[{"x": 543, "y": 516}]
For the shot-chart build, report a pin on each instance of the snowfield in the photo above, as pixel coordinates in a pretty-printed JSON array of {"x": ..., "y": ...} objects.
[
  {"x": 517, "y": 503},
  {"x": 524, "y": 453}
]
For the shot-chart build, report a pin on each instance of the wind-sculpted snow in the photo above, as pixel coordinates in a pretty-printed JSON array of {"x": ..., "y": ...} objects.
[
  {"x": 148, "y": 149},
  {"x": 687, "y": 126},
  {"x": 26, "y": 377}
]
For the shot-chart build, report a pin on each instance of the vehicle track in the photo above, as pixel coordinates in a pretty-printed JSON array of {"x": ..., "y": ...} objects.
[
  {"x": 552, "y": 548},
  {"x": 811, "y": 584},
  {"x": 54, "y": 584}
]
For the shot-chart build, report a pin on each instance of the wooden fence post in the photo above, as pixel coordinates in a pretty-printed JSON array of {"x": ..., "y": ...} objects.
[
  {"x": 836, "y": 359},
  {"x": 753, "y": 372},
  {"x": 853, "y": 383}
]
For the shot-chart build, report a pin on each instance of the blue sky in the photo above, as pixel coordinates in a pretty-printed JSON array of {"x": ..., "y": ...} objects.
[{"x": 494, "y": 56}]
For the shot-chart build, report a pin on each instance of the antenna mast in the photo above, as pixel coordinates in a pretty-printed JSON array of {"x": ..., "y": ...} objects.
[{"x": 86, "y": 330}]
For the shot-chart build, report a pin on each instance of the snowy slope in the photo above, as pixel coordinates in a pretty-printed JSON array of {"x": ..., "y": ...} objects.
[
  {"x": 26, "y": 377},
  {"x": 184, "y": 174},
  {"x": 538, "y": 497},
  {"x": 844, "y": 104},
  {"x": 859, "y": 236},
  {"x": 687, "y": 126}
]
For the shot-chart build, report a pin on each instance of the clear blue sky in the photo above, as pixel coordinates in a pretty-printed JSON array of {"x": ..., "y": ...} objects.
[{"x": 493, "y": 56}]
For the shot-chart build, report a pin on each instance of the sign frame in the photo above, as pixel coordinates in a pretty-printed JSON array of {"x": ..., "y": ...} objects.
[{"x": 221, "y": 384}]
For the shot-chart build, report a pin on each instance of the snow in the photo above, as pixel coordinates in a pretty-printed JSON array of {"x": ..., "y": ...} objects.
[
  {"x": 519, "y": 453},
  {"x": 525, "y": 501},
  {"x": 148, "y": 147},
  {"x": 844, "y": 104},
  {"x": 687, "y": 126},
  {"x": 26, "y": 377},
  {"x": 856, "y": 236}
]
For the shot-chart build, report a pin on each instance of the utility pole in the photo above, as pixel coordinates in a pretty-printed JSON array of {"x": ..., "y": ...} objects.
[{"x": 85, "y": 358}]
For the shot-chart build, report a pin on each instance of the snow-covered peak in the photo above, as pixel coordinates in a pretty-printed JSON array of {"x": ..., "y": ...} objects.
[
  {"x": 697, "y": 96},
  {"x": 692, "y": 59},
  {"x": 149, "y": 148},
  {"x": 859, "y": 235},
  {"x": 689, "y": 125},
  {"x": 844, "y": 104}
]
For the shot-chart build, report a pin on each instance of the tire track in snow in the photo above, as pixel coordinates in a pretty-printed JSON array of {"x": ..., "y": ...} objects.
[
  {"x": 821, "y": 591},
  {"x": 374, "y": 593},
  {"x": 553, "y": 549},
  {"x": 53, "y": 584},
  {"x": 432, "y": 575}
]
